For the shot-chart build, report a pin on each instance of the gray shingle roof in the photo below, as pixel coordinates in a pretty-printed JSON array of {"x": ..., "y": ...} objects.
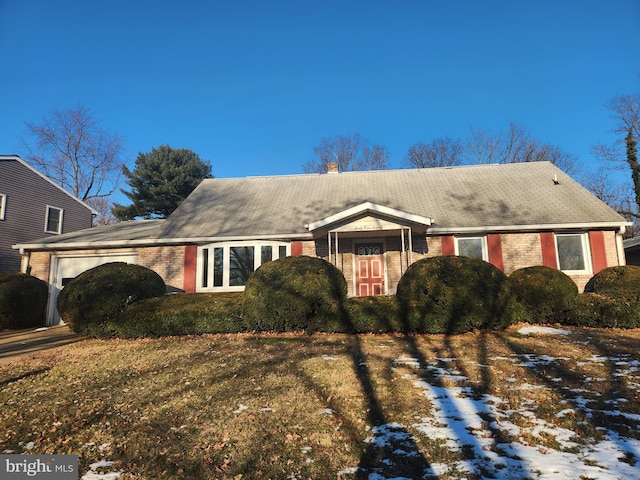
[{"x": 455, "y": 198}]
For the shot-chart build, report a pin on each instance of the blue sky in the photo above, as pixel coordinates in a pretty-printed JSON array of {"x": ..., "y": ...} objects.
[{"x": 253, "y": 86}]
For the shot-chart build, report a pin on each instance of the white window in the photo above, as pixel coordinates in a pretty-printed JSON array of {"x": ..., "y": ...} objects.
[
  {"x": 227, "y": 266},
  {"x": 573, "y": 252},
  {"x": 53, "y": 221},
  {"x": 3, "y": 205},
  {"x": 474, "y": 247}
]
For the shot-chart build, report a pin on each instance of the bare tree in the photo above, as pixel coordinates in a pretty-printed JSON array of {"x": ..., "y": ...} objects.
[
  {"x": 618, "y": 195},
  {"x": 350, "y": 152},
  {"x": 515, "y": 145},
  {"x": 441, "y": 152},
  {"x": 73, "y": 149},
  {"x": 622, "y": 154}
]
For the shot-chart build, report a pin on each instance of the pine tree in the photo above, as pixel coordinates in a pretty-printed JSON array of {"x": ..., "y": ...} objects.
[{"x": 160, "y": 181}]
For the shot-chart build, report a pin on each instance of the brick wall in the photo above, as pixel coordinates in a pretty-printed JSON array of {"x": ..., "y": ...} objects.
[{"x": 168, "y": 262}]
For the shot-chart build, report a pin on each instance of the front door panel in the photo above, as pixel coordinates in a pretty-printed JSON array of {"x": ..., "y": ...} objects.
[{"x": 369, "y": 263}]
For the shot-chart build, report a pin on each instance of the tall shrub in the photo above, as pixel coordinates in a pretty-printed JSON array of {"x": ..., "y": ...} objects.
[
  {"x": 548, "y": 295},
  {"x": 98, "y": 295},
  {"x": 454, "y": 295},
  {"x": 294, "y": 293},
  {"x": 23, "y": 300}
]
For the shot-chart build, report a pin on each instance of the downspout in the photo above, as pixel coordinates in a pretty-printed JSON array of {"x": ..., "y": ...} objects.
[{"x": 622, "y": 258}]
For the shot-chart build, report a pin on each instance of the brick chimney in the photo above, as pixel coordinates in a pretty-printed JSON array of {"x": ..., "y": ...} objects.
[{"x": 332, "y": 167}]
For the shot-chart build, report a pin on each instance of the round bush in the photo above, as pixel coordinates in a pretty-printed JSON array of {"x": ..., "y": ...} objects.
[
  {"x": 548, "y": 295},
  {"x": 454, "y": 295},
  {"x": 620, "y": 283},
  {"x": 23, "y": 301},
  {"x": 293, "y": 294},
  {"x": 598, "y": 311},
  {"x": 98, "y": 295}
]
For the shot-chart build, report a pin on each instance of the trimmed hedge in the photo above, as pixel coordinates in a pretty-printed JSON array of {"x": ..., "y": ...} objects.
[
  {"x": 180, "y": 314},
  {"x": 620, "y": 283},
  {"x": 454, "y": 295},
  {"x": 599, "y": 311},
  {"x": 294, "y": 294},
  {"x": 379, "y": 314},
  {"x": 23, "y": 301},
  {"x": 546, "y": 294},
  {"x": 98, "y": 295}
]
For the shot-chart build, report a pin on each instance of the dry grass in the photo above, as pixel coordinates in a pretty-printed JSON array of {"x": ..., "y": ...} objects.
[{"x": 245, "y": 406}]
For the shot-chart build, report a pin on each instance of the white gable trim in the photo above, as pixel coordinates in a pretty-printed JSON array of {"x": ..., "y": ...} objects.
[{"x": 368, "y": 207}]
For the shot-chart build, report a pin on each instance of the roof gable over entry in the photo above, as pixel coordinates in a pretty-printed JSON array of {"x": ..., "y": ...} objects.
[{"x": 369, "y": 216}]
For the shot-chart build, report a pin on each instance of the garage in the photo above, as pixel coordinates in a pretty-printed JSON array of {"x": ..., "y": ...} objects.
[{"x": 66, "y": 267}]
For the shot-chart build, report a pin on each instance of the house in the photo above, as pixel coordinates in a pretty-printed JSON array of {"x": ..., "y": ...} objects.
[
  {"x": 32, "y": 206},
  {"x": 632, "y": 250},
  {"x": 372, "y": 225}
]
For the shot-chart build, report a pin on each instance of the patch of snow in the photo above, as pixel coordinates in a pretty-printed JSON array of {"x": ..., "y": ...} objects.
[
  {"x": 543, "y": 331},
  {"x": 240, "y": 409}
]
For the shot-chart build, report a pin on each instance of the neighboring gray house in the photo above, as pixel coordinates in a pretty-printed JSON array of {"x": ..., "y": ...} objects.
[
  {"x": 372, "y": 225},
  {"x": 632, "y": 250},
  {"x": 32, "y": 206}
]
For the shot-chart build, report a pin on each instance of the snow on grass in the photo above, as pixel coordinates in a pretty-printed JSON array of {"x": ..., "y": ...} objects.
[
  {"x": 536, "y": 329},
  {"x": 479, "y": 428}
]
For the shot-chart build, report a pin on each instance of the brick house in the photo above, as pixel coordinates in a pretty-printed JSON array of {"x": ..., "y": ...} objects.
[
  {"x": 371, "y": 225},
  {"x": 32, "y": 206}
]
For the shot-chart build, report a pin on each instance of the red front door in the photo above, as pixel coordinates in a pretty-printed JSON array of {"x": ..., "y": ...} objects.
[{"x": 369, "y": 270}]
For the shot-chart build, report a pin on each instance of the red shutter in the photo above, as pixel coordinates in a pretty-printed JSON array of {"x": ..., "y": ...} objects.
[
  {"x": 189, "y": 282},
  {"x": 296, "y": 249},
  {"x": 448, "y": 245},
  {"x": 548, "y": 244},
  {"x": 598, "y": 250},
  {"x": 494, "y": 243}
]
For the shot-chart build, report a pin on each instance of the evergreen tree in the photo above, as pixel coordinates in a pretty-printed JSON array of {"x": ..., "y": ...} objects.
[
  {"x": 632, "y": 160},
  {"x": 160, "y": 181}
]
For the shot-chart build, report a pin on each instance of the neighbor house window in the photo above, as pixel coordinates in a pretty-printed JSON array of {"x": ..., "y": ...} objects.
[
  {"x": 228, "y": 266},
  {"x": 474, "y": 247},
  {"x": 3, "y": 205},
  {"x": 53, "y": 223},
  {"x": 573, "y": 252}
]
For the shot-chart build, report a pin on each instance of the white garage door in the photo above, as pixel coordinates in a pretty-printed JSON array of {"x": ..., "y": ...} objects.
[{"x": 66, "y": 267}]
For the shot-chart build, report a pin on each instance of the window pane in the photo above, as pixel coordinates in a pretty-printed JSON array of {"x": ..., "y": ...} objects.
[
  {"x": 53, "y": 220},
  {"x": 217, "y": 266},
  {"x": 205, "y": 267},
  {"x": 282, "y": 251},
  {"x": 470, "y": 247},
  {"x": 570, "y": 252},
  {"x": 267, "y": 254},
  {"x": 241, "y": 263}
]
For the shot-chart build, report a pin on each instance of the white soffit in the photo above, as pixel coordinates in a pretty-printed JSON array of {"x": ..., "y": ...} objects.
[{"x": 368, "y": 207}]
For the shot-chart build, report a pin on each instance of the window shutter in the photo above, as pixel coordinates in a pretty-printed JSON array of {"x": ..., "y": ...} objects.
[
  {"x": 448, "y": 245},
  {"x": 598, "y": 250},
  {"x": 548, "y": 244},
  {"x": 296, "y": 249},
  {"x": 189, "y": 282},
  {"x": 494, "y": 244}
]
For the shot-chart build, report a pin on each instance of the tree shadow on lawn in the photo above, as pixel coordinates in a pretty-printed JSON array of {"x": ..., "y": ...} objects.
[{"x": 600, "y": 409}]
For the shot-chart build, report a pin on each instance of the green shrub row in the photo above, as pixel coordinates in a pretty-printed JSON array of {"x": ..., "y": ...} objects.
[
  {"x": 448, "y": 295},
  {"x": 23, "y": 301}
]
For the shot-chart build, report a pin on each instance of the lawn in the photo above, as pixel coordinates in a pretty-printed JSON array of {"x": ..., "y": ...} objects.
[{"x": 507, "y": 405}]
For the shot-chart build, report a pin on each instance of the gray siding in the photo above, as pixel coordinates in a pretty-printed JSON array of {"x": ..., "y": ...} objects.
[{"x": 28, "y": 195}]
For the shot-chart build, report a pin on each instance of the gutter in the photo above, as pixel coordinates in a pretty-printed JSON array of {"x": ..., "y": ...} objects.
[
  {"x": 151, "y": 242},
  {"x": 621, "y": 226}
]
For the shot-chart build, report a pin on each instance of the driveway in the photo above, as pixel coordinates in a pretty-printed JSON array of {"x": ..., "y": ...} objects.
[{"x": 18, "y": 343}]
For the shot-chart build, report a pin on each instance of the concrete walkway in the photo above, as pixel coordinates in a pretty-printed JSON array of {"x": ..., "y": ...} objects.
[{"x": 18, "y": 343}]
